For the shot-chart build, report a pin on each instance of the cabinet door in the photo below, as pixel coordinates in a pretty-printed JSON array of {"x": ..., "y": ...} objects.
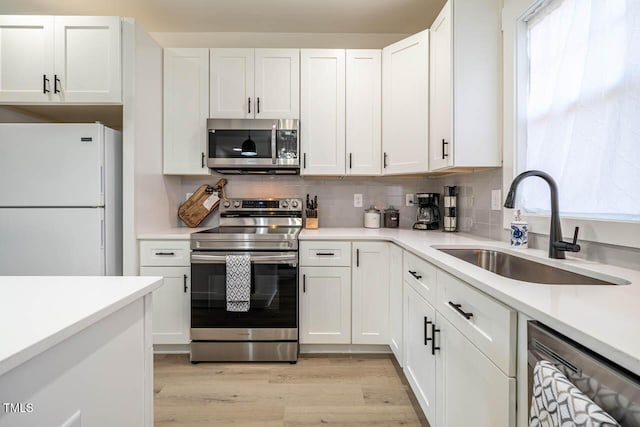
[
  {"x": 405, "y": 112},
  {"x": 325, "y": 305},
  {"x": 370, "y": 293},
  {"x": 277, "y": 83},
  {"x": 322, "y": 111},
  {"x": 26, "y": 58},
  {"x": 232, "y": 84},
  {"x": 171, "y": 304},
  {"x": 186, "y": 109},
  {"x": 471, "y": 389},
  {"x": 420, "y": 363},
  {"x": 88, "y": 59},
  {"x": 364, "y": 112},
  {"x": 440, "y": 92},
  {"x": 395, "y": 302}
]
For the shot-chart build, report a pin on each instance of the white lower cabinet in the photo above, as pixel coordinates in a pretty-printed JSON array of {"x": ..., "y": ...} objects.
[
  {"x": 171, "y": 304},
  {"x": 395, "y": 302},
  {"x": 471, "y": 390},
  {"x": 370, "y": 293},
  {"x": 170, "y": 260},
  {"x": 325, "y": 305},
  {"x": 459, "y": 352},
  {"x": 420, "y": 363}
]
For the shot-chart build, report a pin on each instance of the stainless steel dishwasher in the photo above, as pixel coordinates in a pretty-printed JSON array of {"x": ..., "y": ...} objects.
[{"x": 614, "y": 389}]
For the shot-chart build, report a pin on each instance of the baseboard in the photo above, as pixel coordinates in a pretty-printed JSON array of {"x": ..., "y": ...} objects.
[
  {"x": 344, "y": 348},
  {"x": 172, "y": 348}
]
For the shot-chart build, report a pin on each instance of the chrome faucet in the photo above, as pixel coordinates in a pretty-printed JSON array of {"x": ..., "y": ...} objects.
[{"x": 557, "y": 247}]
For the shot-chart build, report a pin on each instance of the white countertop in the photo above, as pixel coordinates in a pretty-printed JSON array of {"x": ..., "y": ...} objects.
[
  {"x": 39, "y": 312},
  {"x": 175, "y": 233},
  {"x": 604, "y": 318}
]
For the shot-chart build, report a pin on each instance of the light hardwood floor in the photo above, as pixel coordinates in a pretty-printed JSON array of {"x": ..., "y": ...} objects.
[{"x": 318, "y": 390}]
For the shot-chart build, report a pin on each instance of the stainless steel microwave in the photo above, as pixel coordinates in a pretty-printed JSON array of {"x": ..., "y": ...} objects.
[{"x": 254, "y": 146}]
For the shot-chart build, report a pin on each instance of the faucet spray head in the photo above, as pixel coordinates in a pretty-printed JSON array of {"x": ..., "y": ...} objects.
[{"x": 510, "y": 200}]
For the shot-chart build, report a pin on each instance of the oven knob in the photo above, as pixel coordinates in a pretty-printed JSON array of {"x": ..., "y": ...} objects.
[
  {"x": 226, "y": 204},
  {"x": 236, "y": 204},
  {"x": 284, "y": 204},
  {"x": 294, "y": 204}
]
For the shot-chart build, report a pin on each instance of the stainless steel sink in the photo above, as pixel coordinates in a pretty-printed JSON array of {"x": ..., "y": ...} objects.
[{"x": 514, "y": 267}]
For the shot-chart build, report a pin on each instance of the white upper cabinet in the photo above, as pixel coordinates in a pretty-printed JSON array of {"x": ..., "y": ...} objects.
[
  {"x": 87, "y": 59},
  {"x": 370, "y": 293},
  {"x": 364, "y": 112},
  {"x": 255, "y": 83},
  {"x": 232, "y": 84},
  {"x": 277, "y": 83},
  {"x": 322, "y": 107},
  {"x": 440, "y": 91},
  {"x": 61, "y": 59},
  {"x": 186, "y": 109},
  {"x": 405, "y": 111},
  {"x": 26, "y": 58},
  {"x": 465, "y": 85}
]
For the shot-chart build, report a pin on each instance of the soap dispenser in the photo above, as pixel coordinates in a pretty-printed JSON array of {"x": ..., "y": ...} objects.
[{"x": 519, "y": 232}]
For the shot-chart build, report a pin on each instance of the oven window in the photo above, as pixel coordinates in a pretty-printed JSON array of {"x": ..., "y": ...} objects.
[
  {"x": 273, "y": 297},
  {"x": 228, "y": 144}
]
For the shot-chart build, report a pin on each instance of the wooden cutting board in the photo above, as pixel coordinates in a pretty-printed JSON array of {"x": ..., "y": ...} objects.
[{"x": 201, "y": 203}]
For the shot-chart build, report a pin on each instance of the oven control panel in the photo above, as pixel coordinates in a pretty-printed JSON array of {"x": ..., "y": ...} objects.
[{"x": 267, "y": 205}]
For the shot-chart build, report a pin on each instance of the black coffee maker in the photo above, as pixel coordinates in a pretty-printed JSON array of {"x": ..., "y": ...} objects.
[{"x": 428, "y": 217}]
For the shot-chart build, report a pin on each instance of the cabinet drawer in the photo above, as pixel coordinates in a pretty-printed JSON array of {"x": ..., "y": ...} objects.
[
  {"x": 487, "y": 323},
  {"x": 165, "y": 253},
  {"x": 421, "y": 274},
  {"x": 328, "y": 254}
]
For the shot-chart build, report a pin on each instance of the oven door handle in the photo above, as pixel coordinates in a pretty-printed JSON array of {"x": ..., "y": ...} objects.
[{"x": 263, "y": 259}]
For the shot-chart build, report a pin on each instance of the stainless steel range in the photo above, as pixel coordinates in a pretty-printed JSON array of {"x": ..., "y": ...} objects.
[{"x": 266, "y": 230}]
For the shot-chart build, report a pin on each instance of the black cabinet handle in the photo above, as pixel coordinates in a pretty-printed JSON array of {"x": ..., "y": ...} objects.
[
  {"x": 56, "y": 80},
  {"x": 45, "y": 84},
  {"x": 202, "y": 161},
  {"x": 433, "y": 337},
  {"x": 443, "y": 153},
  {"x": 185, "y": 284},
  {"x": 462, "y": 313},
  {"x": 249, "y": 109},
  {"x": 357, "y": 257},
  {"x": 427, "y": 322},
  {"x": 304, "y": 283},
  {"x": 258, "y": 112},
  {"x": 165, "y": 253},
  {"x": 325, "y": 254},
  {"x": 304, "y": 161},
  {"x": 350, "y": 162},
  {"x": 384, "y": 161},
  {"x": 417, "y": 276}
]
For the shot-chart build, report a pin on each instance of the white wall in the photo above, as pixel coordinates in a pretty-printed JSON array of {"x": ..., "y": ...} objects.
[{"x": 281, "y": 40}]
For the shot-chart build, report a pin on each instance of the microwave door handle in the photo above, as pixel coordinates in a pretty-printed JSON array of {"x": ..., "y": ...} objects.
[{"x": 273, "y": 143}]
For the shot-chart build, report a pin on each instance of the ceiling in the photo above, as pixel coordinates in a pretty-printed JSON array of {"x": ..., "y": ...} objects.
[{"x": 298, "y": 16}]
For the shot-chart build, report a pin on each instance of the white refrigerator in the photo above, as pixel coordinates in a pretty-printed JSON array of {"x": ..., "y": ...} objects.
[{"x": 60, "y": 200}]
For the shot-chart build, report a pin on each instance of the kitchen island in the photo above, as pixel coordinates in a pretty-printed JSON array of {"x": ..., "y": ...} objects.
[{"x": 76, "y": 351}]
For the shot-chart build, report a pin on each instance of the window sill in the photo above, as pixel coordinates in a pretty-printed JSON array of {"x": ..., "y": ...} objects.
[{"x": 620, "y": 233}]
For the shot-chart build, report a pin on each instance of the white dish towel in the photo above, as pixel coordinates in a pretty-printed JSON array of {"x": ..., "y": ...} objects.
[
  {"x": 238, "y": 282},
  {"x": 557, "y": 402}
]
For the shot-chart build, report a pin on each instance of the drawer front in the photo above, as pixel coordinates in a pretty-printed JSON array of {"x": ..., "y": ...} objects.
[
  {"x": 421, "y": 274},
  {"x": 325, "y": 254},
  {"x": 165, "y": 253},
  {"x": 487, "y": 323}
]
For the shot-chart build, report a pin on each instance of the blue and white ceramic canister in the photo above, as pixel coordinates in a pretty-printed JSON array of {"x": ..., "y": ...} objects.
[{"x": 519, "y": 232}]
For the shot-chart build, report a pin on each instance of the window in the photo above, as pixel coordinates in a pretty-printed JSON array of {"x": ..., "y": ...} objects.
[{"x": 583, "y": 109}]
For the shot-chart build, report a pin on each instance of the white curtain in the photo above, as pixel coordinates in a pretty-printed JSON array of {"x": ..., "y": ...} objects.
[{"x": 583, "y": 110}]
